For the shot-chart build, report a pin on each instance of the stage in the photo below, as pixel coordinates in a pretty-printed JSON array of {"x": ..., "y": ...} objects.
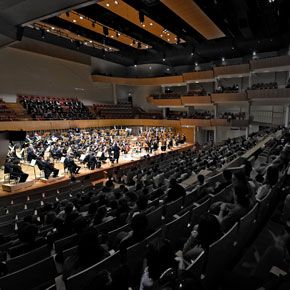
[{"x": 38, "y": 184}]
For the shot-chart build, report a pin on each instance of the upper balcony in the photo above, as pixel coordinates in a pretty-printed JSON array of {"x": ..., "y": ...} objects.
[
  {"x": 239, "y": 70},
  {"x": 278, "y": 63},
  {"x": 200, "y": 76},
  {"x": 269, "y": 94}
]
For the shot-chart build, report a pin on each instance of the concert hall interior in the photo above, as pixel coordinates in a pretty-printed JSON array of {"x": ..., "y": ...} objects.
[{"x": 145, "y": 145}]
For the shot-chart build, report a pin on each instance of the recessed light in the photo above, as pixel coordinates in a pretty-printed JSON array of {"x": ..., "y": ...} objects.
[
  {"x": 116, "y": 2},
  {"x": 143, "y": 25},
  {"x": 107, "y": 4},
  {"x": 74, "y": 21},
  {"x": 81, "y": 17},
  {"x": 151, "y": 24},
  {"x": 91, "y": 41},
  {"x": 52, "y": 28}
]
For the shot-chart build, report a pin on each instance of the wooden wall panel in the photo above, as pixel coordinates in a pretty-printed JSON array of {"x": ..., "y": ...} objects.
[
  {"x": 165, "y": 102},
  {"x": 50, "y": 125},
  {"x": 270, "y": 62},
  {"x": 269, "y": 94},
  {"x": 186, "y": 100},
  {"x": 229, "y": 97},
  {"x": 198, "y": 75},
  {"x": 195, "y": 122},
  {"x": 232, "y": 69},
  {"x": 188, "y": 132},
  {"x": 219, "y": 122},
  {"x": 138, "y": 81}
]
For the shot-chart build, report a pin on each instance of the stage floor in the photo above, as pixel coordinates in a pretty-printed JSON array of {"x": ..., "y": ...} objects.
[{"x": 124, "y": 160}]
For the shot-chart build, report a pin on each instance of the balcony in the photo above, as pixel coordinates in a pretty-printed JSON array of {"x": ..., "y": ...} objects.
[
  {"x": 270, "y": 94},
  {"x": 205, "y": 76},
  {"x": 195, "y": 100},
  {"x": 271, "y": 63},
  {"x": 232, "y": 70},
  {"x": 229, "y": 97},
  {"x": 164, "y": 102}
]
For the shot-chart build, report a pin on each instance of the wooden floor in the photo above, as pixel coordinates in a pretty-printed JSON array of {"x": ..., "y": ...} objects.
[{"x": 96, "y": 175}]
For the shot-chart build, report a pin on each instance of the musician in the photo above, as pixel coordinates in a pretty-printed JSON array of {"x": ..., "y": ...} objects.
[
  {"x": 47, "y": 167},
  {"x": 116, "y": 153},
  {"x": 15, "y": 170},
  {"x": 72, "y": 167},
  {"x": 91, "y": 161},
  {"x": 31, "y": 153}
]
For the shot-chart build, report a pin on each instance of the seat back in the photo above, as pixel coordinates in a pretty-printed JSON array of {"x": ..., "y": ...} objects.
[
  {"x": 173, "y": 207},
  {"x": 247, "y": 227},
  {"x": 196, "y": 266},
  {"x": 264, "y": 206},
  {"x": 82, "y": 279},
  {"x": 113, "y": 234},
  {"x": 177, "y": 228},
  {"x": 155, "y": 218},
  {"x": 198, "y": 211},
  {"x": 155, "y": 236},
  {"x": 107, "y": 226},
  {"x": 65, "y": 243},
  {"x": 27, "y": 259},
  {"x": 35, "y": 276},
  {"x": 220, "y": 254},
  {"x": 190, "y": 198}
]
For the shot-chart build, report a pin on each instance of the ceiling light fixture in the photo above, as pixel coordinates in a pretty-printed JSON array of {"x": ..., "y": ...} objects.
[
  {"x": 107, "y": 4},
  {"x": 74, "y": 21}
]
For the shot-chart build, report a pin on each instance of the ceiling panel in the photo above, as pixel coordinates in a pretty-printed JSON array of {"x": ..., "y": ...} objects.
[{"x": 191, "y": 13}]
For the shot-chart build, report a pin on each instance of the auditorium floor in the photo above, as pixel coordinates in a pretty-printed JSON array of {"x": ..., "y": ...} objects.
[{"x": 124, "y": 160}]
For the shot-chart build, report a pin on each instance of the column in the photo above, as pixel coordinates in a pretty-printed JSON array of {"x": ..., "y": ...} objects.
[
  {"x": 164, "y": 111},
  {"x": 215, "y": 109},
  {"x": 247, "y": 132},
  {"x": 250, "y": 80},
  {"x": 215, "y": 134},
  {"x": 187, "y": 87},
  {"x": 287, "y": 116},
  {"x": 115, "y": 97}
]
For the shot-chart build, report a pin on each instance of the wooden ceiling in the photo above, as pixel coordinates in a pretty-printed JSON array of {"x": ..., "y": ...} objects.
[
  {"x": 129, "y": 13},
  {"x": 191, "y": 13},
  {"x": 90, "y": 24}
]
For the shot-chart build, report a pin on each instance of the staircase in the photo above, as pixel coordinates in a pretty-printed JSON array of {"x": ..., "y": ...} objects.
[{"x": 20, "y": 112}]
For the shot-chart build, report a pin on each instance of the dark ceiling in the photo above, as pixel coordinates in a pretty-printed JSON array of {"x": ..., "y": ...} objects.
[{"x": 249, "y": 25}]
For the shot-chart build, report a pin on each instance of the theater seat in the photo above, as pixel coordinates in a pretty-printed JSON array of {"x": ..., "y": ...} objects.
[
  {"x": 36, "y": 276},
  {"x": 220, "y": 254},
  {"x": 82, "y": 279},
  {"x": 196, "y": 266},
  {"x": 27, "y": 259}
]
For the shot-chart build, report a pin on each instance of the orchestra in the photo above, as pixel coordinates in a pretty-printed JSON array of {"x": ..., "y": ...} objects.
[{"x": 91, "y": 147}]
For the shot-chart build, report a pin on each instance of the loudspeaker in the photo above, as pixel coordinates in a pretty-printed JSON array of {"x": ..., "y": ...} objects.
[
  {"x": 141, "y": 17},
  {"x": 16, "y": 135}
]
